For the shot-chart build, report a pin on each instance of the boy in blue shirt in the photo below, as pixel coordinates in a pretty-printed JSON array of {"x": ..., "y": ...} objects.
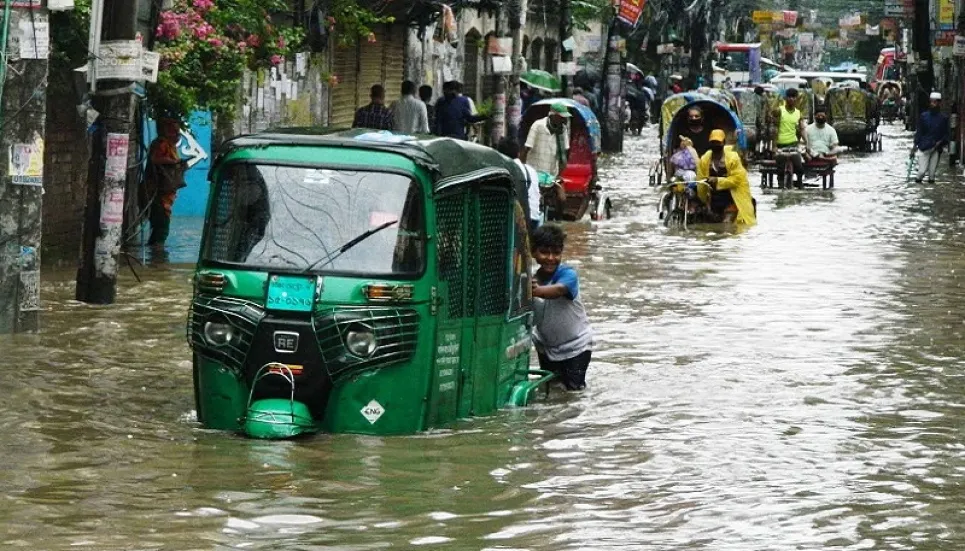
[{"x": 563, "y": 337}]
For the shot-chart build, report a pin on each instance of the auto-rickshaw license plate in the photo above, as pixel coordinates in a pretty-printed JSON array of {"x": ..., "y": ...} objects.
[{"x": 290, "y": 293}]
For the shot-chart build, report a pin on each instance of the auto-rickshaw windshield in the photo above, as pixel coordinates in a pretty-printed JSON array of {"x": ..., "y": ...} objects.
[{"x": 277, "y": 217}]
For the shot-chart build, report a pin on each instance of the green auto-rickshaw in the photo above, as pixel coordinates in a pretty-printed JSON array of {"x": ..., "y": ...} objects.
[{"x": 360, "y": 282}]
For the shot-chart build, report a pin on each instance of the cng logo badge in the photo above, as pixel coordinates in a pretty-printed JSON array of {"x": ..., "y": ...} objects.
[
  {"x": 286, "y": 342},
  {"x": 372, "y": 411}
]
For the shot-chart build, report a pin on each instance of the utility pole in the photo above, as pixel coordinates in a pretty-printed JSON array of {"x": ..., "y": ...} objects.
[
  {"x": 924, "y": 72},
  {"x": 111, "y": 157},
  {"x": 613, "y": 78},
  {"x": 24, "y": 39},
  {"x": 516, "y": 11},
  {"x": 566, "y": 31},
  {"x": 498, "y": 126}
]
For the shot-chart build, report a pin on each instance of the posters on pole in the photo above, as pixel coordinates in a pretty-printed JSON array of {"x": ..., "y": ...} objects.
[
  {"x": 32, "y": 4},
  {"x": 26, "y": 165},
  {"x": 115, "y": 168},
  {"x": 34, "y": 37},
  {"x": 120, "y": 60},
  {"x": 151, "y": 65},
  {"x": 958, "y": 49},
  {"x": 630, "y": 11}
]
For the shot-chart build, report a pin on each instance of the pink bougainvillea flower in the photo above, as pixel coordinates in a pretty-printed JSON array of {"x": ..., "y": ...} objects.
[
  {"x": 203, "y": 5},
  {"x": 371, "y": 38},
  {"x": 254, "y": 40},
  {"x": 333, "y": 80},
  {"x": 281, "y": 42},
  {"x": 169, "y": 27},
  {"x": 277, "y": 59},
  {"x": 242, "y": 46}
]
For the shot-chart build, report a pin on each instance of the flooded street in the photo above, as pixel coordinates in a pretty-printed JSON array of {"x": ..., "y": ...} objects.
[{"x": 796, "y": 386}]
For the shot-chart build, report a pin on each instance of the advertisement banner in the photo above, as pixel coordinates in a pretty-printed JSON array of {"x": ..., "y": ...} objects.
[
  {"x": 946, "y": 15},
  {"x": 894, "y": 8},
  {"x": 761, "y": 17},
  {"x": 630, "y": 11}
]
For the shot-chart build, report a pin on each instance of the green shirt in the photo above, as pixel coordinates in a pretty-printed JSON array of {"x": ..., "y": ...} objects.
[{"x": 787, "y": 127}]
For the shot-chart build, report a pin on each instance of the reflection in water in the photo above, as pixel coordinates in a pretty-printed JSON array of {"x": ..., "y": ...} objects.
[{"x": 794, "y": 386}]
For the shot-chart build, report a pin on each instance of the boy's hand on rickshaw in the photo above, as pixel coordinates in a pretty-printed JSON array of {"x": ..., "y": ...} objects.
[{"x": 712, "y": 180}]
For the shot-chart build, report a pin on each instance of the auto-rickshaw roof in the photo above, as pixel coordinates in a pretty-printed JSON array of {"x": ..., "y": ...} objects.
[{"x": 446, "y": 159}]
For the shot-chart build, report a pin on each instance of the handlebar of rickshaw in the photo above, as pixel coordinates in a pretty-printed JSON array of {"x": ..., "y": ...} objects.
[{"x": 699, "y": 183}]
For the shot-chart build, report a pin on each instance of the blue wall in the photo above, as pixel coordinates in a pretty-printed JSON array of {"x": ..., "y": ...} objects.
[{"x": 195, "y": 146}]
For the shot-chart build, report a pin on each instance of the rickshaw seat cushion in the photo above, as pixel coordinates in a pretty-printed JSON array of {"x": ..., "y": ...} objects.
[{"x": 576, "y": 177}]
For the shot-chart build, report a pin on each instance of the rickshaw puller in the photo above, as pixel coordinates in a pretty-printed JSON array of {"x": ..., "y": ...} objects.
[
  {"x": 790, "y": 131},
  {"x": 723, "y": 169}
]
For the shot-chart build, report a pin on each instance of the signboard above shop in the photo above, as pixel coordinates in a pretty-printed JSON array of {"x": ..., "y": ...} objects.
[{"x": 630, "y": 11}]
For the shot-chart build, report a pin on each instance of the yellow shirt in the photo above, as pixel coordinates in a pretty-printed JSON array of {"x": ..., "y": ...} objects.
[{"x": 787, "y": 129}]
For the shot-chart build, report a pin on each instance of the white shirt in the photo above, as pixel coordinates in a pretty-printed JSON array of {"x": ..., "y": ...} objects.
[
  {"x": 543, "y": 148},
  {"x": 532, "y": 189},
  {"x": 409, "y": 116},
  {"x": 821, "y": 141}
]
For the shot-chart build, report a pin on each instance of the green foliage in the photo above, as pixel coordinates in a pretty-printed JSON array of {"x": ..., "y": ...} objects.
[
  {"x": 349, "y": 22},
  {"x": 588, "y": 11},
  {"x": 205, "y": 47},
  {"x": 485, "y": 108}
]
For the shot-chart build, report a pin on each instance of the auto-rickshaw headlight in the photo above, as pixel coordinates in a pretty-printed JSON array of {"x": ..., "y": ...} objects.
[
  {"x": 218, "y": 333},
  {"x": 360, "y": 340}
]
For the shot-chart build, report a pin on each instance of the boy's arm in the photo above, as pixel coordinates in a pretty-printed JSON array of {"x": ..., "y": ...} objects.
[
  {"x": 556, "y": 290},
  {"x": 566, "y": 286}
]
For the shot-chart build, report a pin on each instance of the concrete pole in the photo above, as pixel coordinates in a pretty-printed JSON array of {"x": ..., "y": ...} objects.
[
  {"x": 613, "y": 92},
  {"x": 566, "y": 30},
  {"x": 514, "y": 106},
  {"x": 23, "y": 108},
  {"x": 113, "y": 153},
  {"x": 498, "y": 124}
]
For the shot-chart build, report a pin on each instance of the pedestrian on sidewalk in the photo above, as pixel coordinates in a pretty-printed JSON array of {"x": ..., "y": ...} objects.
[
  {"x": 454, "y": 113},
  {"x": 165, "y": 176},
  {"x": 409, "y": 113},
  {"x": 563, "y": 337},
  {"x": 425, "y": 94},
  {"x": 375, "y": 115},
  {"x": 930, "y": 138}
]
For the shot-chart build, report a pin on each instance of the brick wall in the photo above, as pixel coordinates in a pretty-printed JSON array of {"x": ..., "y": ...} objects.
[{"x": 65, "y": 178}]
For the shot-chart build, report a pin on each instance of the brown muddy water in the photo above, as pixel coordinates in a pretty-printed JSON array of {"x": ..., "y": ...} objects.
[{"x": 797, "y": 386}]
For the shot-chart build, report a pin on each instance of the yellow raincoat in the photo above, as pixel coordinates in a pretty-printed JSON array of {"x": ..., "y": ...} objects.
[{"x": 735, "y": 182}]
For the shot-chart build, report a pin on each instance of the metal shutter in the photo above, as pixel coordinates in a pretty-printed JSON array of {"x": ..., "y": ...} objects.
[
  {"x": 393, "y": 51},
  {"x": 370, "y": 69},
  {"x": 344, "y": 95}
]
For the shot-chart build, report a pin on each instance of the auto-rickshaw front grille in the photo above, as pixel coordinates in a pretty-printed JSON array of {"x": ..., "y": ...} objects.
[
  {"x": 243, "y": 316},
  {"x": 396, "y": 332}
]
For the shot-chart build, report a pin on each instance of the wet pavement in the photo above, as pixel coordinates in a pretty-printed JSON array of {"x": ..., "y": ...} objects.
[{"x": 795, "y": 386}]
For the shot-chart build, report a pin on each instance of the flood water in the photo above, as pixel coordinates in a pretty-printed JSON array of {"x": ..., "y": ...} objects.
[{"x": 797, "y": 386}]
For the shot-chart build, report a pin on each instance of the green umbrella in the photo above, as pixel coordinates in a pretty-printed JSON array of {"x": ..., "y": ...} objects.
[{"x": 541, "y": 80}]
